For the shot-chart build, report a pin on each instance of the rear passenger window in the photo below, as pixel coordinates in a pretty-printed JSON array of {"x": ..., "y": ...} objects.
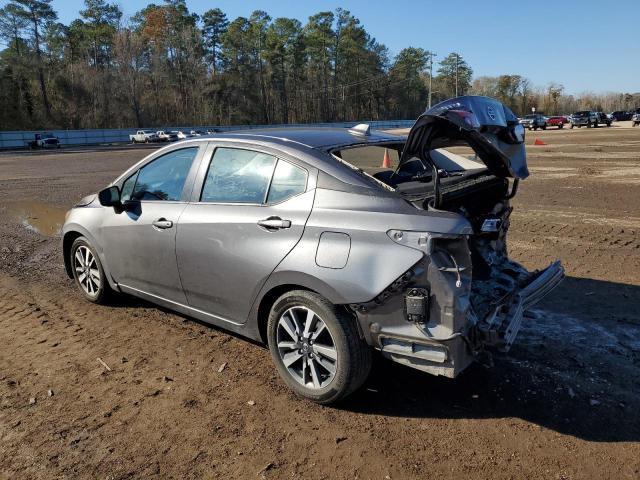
[
  {"x": 238, "y": 176},
  {"x": 288, "y": 181}
]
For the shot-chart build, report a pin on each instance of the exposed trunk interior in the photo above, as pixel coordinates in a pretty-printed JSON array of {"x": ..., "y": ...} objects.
[{"x": 483, "y": 199}]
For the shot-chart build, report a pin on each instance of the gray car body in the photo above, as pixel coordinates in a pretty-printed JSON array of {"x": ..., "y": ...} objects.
[{"x": 218, "y": 265}]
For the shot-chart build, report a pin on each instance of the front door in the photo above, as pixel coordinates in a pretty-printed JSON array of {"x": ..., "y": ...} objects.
[
  {"x": 140, "y": 242},
  {"x": 250, "y": 213}
]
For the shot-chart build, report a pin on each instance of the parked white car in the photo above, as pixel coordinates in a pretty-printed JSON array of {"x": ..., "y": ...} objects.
[
  {"x": 144, "y": 136},
  {"x": 167, "y": 136}
]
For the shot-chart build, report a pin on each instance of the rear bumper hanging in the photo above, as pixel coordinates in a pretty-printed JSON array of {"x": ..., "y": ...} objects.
[{"x": 502, "y": 326}]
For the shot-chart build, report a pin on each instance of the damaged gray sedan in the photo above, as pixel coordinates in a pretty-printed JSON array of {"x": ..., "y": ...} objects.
[{"x": 280, "y": 236}]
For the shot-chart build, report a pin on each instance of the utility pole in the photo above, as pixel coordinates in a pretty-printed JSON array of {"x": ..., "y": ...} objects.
[{"x": 431, "y": 55}]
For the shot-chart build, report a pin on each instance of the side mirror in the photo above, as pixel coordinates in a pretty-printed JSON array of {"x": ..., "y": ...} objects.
[{"x": 110, "y": 197}]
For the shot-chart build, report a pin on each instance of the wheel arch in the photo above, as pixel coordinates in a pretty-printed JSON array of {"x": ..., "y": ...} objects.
[
  {"x": 69, "y": 234},
  {"x": 280, "y": 283},
  {"x": 67, "y": 241},
  {"x": 267, "y": 301}
]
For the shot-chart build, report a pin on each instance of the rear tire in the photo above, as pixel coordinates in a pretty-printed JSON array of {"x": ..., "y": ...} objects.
[
  {"x": 88, "y": 272},
  {"x": 310, "y": 371},
  {"x": 560, "y": 127}
]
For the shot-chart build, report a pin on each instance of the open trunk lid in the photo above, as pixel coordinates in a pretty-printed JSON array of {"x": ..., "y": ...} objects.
[{"x": 485, "y": 124}]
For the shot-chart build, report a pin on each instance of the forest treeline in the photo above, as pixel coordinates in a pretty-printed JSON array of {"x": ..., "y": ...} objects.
[{"x": 168, "y": 66}]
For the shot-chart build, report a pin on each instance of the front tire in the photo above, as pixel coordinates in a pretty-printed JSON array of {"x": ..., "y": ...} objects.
[
  {"x": 316, "y": 347},
  {"x": 88, "y": 272}
]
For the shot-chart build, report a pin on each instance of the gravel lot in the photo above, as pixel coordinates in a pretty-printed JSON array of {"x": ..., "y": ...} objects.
[{"x": 564, "y": 404}]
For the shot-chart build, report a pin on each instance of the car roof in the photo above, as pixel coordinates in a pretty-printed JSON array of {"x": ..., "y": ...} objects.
[
  {"x": 321, "y": 138},
  {"x": 309, "y": 144}
]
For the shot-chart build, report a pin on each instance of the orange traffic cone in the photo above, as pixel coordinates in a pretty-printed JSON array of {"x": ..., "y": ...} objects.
[
  {"x": 539, "y": 142},
  {"x": 386, "y": 160}
]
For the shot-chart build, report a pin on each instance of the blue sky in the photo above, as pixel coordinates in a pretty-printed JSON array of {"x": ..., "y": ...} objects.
[{"x": 586, "y": 45}]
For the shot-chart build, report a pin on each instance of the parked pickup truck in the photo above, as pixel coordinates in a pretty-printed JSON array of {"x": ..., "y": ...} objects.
[
  {"x": 44, "y": 140},
  {"x": 534, "y": 121},
  {"x": 557, "y": 121},
  {"x": 603, "y": 119},
  {"x": 620, "y": 116},
  {"x": 144, "y": 136},
  {"x": 167, "y": 136},
  {"x": 584, "y": 118}
]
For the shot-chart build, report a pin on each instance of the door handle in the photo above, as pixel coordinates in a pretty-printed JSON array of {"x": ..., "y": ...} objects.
[
  {"x": 274, "y": 223},
  {"x": 162, "y": 223}
]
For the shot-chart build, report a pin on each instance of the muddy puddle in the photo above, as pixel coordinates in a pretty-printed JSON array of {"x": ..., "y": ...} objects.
[{"x": 38, "y": 216}]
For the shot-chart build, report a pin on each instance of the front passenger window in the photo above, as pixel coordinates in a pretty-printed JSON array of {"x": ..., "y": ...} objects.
[
  {"x": 127, "y": 187},
  {"x": 164, "y": 177}
]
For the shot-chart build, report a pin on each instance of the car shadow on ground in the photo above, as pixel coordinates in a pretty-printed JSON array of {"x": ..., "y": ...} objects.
[
  {"x": 574, "y": 371},
  {"x": 584, "y": 383}
]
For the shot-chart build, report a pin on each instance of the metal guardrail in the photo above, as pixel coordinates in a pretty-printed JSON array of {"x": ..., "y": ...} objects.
[{"x": 21, "y": 139}]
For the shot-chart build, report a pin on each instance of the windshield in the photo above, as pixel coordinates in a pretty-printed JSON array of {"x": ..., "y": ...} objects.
[
  {"x": 581, "y": 114},
  {"x": 529, "y": 116}
]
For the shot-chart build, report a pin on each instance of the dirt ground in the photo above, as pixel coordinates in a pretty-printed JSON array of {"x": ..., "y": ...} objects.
[{"x": 564, "y": 404}]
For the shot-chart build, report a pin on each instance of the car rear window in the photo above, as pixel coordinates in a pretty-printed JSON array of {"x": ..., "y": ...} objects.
[{"x": 369, "y": 158}]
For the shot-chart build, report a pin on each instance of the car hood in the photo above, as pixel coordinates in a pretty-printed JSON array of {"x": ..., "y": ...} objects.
[{"x": 484, "y": 124}]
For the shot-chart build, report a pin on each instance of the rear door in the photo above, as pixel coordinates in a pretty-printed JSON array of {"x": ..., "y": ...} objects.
[{"x": 249, "y": 209}]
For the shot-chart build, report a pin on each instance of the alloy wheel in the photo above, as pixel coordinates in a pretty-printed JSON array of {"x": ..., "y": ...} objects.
[
  {"x": 306, "y": 347},
  {"x": 87, "y": 272}
]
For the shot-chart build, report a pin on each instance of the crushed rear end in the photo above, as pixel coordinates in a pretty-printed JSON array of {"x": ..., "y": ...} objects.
[{"x": 466, "y": 296}]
